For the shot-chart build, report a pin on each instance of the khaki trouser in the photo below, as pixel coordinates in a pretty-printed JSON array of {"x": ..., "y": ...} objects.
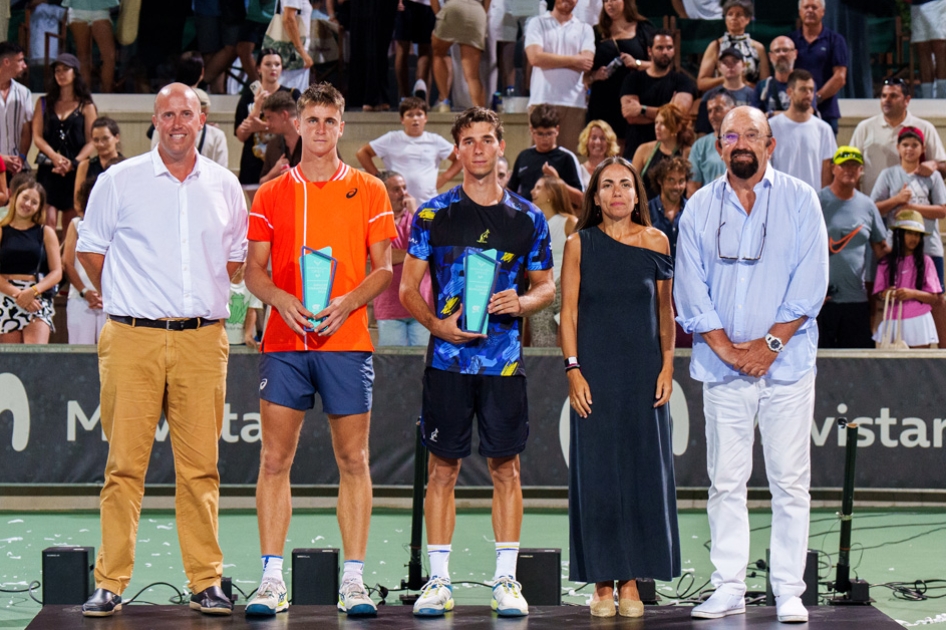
[{"x": 145, "y": 370}]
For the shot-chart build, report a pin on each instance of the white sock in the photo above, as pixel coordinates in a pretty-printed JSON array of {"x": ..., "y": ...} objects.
[
  {"x": 272, "y": 567},
  {"x": 926, "y": 90},
  {"x": 506, "y": 556},
  {"x": 353, "y": 571},
  {"x": 941, "y": 88},
  {"x": 439, "y": 556}
]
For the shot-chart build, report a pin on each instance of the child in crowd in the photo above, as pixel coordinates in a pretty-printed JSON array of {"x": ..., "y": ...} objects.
[
  {"x": 546, "y": 158},
  {"x": 241, "y": 325},
  {"x": 413, "y": 152},
  {"x": 909, "y": 276}
]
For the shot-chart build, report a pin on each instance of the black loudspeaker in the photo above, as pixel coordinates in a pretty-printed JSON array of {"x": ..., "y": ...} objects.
[
  {"x": 810, "y": 596},
  {"x": 540, "y": 573},
  {"x": 647, "y": 589},
  {"x": 67, "y": 574},
  {"x": 314, "y": 577}
]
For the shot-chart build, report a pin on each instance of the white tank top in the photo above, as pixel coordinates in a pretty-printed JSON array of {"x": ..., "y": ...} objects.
[{"x": 557, "y": 236}]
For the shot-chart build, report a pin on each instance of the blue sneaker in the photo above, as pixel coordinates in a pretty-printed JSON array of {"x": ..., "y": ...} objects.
[{"x": 436, "y": 598}]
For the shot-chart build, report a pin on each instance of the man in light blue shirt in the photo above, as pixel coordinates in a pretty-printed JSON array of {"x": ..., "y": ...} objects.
[
  {"x": 751, "y": 276},
  {"x": 706, "y": 165}
]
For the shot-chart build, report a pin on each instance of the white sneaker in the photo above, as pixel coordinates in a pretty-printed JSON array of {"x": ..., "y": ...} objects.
[
  {"x": 420, "y": 89},
  {"x": 722, "y": 603},
  {"x": 270, "y": 598},
  {"x": 442, "y": 107},
  {"x": 791, "y": 610},
  {"x": 353, "y": 599},
  {"x": 507, "y": 598},
  {"x": 436, "y": 598}
]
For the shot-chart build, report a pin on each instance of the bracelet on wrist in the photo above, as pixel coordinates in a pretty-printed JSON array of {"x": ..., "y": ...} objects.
[
  {"x": 572, "y": 367},
  {"x": 571, "y": 363},
  {"x": 35, "y": 290}
]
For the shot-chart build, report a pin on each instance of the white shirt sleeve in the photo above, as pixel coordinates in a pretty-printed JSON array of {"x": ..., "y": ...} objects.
[
  {"x": 934, "y": 147},
  {"x": 218, "y": 147},
  {"x": 28, "y": 106},
  {"x": 101, "y": 217},
  {"x": 384, "y": 146},
  {"x": 587, "y": 38},
  {"x": 533, "y": 34},
  {"x": 444, "y": 148},
  {"x": 829, "y": 144},
  {"x": 239, "y": 222}
]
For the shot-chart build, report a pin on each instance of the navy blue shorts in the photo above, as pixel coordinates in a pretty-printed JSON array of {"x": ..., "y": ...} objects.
[
  {"x": 452, "y": 399},
  {"x": 343, "y": 380}
]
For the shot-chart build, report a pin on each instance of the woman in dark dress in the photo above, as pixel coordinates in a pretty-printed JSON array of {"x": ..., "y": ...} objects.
[
  {"x": 106, "y": 138},
  {"x": 617, "y": 337},
  {"x": 62, "y": 132},
  {"x": 621, "y": 38}
]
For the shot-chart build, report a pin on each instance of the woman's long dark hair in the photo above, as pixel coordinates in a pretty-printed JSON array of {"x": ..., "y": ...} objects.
[
  {"x": 79, "y": 89},
  {"x": 591, "y": 212},
  {"x": 631, "y": 14},
  {"x": 898, "y": 252}
]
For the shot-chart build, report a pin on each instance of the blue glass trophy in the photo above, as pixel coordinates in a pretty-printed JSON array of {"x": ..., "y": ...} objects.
[
  {"x": 318, "y": 275},
  {"x": 480, "y": 271}
]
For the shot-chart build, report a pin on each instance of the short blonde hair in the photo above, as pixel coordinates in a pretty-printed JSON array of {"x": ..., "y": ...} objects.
[{"x": 609, "y": 135}]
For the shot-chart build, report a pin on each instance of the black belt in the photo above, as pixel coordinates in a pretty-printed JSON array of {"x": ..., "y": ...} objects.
[{"x": 165, "y": 324}]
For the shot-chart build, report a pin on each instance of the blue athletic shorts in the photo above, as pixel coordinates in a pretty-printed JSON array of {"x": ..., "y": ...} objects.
[{"x": 343, "y": 380}]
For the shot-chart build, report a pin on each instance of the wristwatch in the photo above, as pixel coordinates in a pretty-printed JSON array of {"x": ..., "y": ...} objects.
[
  {"x": 774, "y": 343},
  {"x": 637, "y": 62},
  {"x": 643, "y": 110}
]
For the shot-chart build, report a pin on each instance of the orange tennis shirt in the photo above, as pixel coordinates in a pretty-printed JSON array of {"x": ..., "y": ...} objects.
[{"x": 349, "y": 213}]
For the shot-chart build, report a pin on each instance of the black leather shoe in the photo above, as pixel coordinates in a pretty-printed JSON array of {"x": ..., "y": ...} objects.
[
  {"x": 102, "y": 604},
  {"x": 212, "y": 601}
]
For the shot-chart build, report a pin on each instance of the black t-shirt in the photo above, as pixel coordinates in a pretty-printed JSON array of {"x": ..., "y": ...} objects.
[
  {"x": 652, "y": 92},
  {"x": 254, "y": 149},
  {"x": 528, "y": 169}
]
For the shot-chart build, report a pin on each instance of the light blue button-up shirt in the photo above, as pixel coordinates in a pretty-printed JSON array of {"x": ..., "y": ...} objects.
[{"x": 718, "y": 285}]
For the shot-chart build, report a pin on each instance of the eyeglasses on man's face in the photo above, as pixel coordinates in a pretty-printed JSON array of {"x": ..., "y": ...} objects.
[{"x": 752, "y": 137}]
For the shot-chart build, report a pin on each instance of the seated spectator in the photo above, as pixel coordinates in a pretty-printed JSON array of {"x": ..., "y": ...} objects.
[
  {"x": 396, "y": 327},
  {"x": 244, "y": 312},
  {"x": 106, "y": 137},
  {"x": 249, "y": 127},
  {"x": 698, "y": 9},
  {"x": 643, "y": 93},
  {"x": 546, "y": 158},
  {"x": 855, "y": 231},
  {"x": 560, "y": 48},
  {"x": 928, "y": 32},
  {"x": 502, "y": 171},
  {"x": 669, "y": 181},
  {"x": 190, "y": 69},
  {"x": 31, "y": 267},
  {"x": 738, "y": 14},
  {"x": 297, "y": 23},
  {"x": 596, "y": 142},
  {"x": 804, "y": 144},
  {"x": 88, "y": 20},
  {"x": 731, "y": 66},
  {"x": 4, "y": 193},
  {"x": 901, "y": 187},
  {"x": 823, "y": 53},
  {"x": 706, "y": 162},
  {"x": 621, "y": 40},
  {"x": 16, "y": 111},
  {"x": 460, "y": 22},
  {"x": 84, "y": 314},
  {"x": 674, "y": 139},
  {"x": 550, "y": 194},
  {"x": 770, "y": 93},
  {"x": 413, "y": 151},
  {"x": 285, "y": 150}
]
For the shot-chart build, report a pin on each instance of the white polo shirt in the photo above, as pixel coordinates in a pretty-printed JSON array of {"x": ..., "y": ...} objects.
[
  {"x": 558, "y": 86},
  {"x": 15, "y": 111},
  {"x": 166, "y": 242},
  {"x": 877, "y": 140}
]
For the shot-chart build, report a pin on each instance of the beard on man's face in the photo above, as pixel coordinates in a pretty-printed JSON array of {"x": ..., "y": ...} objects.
[
  {"x": 743, "y": 169},
  {"x": 663, "y": 62}
]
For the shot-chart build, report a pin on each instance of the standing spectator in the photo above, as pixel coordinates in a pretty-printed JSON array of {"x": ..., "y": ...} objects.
[
  {"x": 106, "y": 137},
  {"x": 16, "y": 110},
  {"x": 770, "y": 93},
  {"x": 297, "y": 22},
  {"x": 804, "y": 144},
  {"x": 154, "y": 260},
  {"x": 31, "y": 267},
  {"x": 505, "y": 30},
  {"x": 876, "y": 137},
  {"x": 560, "y": 48},
  {"x": 596, "y": 142},
  {"x": 621, "y": 448},
  {"x": 698, "y": 9},
  {"x": 212, "y": 142},
  {"x": 855, "y": 231},
  {"x": 621, "y": 40},
  {"x": 674, "y": 139},
  {"x": 706, "y": 163},
  {"x": 502, "y": 171},
  {"x": 259, "y": 13},
  {"x": 643, "y": 93},
  {"x": 85, "y": 316},
  {"x": 396, "y": 327},
  {"x": 928, "y": 32},
  {"x": 371, "y": 27},
  {"x": 249, "y": 127},
  {"x": 669, "y": 180},
  {"x": 738, "y": 15},
  {"x": 45, "y": 19},
  {"x": 284, "y": 150},
  {"x": 750, "y": 301},
  {"x": 88, "y": 20},
  {"x": 413, "y": 151},
  {"x": 413, "y": 24},
  {"x": 217, "y": 33},
  {"x": 823, "y": 53},
  {"x": 63, "y": 135},
  {"x": 731, "y": 67},
  {"x": 545, "y": 158},
  {"x": 244, "y": 308}
]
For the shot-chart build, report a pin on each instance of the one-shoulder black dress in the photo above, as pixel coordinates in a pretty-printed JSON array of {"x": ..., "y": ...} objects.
[{"x": 622, "y": 498}]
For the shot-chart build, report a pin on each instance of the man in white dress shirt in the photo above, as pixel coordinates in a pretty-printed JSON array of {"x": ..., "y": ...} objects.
[{"x": 163, "y": 234}]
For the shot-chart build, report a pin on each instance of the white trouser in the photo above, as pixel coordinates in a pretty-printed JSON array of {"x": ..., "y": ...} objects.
[
  {"x": 84, "y": 323},
  {"x": 784, "y": 412}
]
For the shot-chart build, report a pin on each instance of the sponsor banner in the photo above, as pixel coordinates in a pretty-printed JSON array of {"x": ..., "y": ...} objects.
[{"x": 51, "y": 432}]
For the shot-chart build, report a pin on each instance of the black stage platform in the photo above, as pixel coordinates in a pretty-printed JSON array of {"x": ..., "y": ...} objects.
[{"x": 143, "y": 617}]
